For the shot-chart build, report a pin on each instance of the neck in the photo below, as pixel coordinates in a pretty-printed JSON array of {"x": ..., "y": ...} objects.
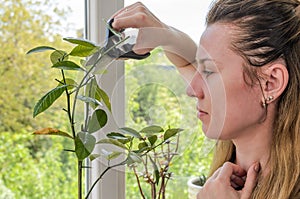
[{"x": 254, "y": 147}]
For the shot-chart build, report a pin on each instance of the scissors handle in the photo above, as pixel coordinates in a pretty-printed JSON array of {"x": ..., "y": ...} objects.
[{"x": 127, "y": 52}]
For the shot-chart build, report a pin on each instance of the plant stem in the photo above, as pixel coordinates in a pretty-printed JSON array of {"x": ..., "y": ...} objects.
[
  {"x": 162, "y": 187},
  {"x": 153, "y": 190},
  {"x": 79, "y": 173},
  {"x": 101, "y": 175},
  {"x": 139, "y": 183},
  {"x": 71, "y": 120}
]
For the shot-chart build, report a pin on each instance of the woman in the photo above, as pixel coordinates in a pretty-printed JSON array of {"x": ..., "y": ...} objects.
[{"x": 246, "y": 79}]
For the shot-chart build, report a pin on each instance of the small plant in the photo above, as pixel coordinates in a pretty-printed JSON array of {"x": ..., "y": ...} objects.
[
  {"x": 153, "y": 149},
  {"x": 151, "y": 145},
  {"x": 195, "y": 184},
  {"x": 201, "y": 180}
]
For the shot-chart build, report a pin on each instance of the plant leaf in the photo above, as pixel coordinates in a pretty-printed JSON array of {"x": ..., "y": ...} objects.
[
  {"x": 83, "y": 51},
  {"x": 133, "y": 158},
  {"x": 156, "y": 171},
  {"x": 94, "y": 156},
  {"x": 152, "y": 129},
  {"x": 92, "y": 60},
  {"x": 116, "y": 136},
  {"x": 152, "y": 139},
  {"x": 69, "y": 82},
  {"x": 104, "y": 97},
  {"x": 142, "y": 146},
  {"x": 40, "y": 49},
  {"x": 58, "y": 55},
  {"x": 67, "y": 65},
  {"x": 82, "y": 42},
  {"x": 113, "y": 142},
  {"x": 84, "y": 145},
  {"x": 94, "y": 91},
  {"x": 89, "y": 100},
  {"x": 97, "y": 121},
  {"x": 52, "y": 131},
  {"x": 171, "y": 132},
  {"x": 47, "y": 100},
  {"x": 114, "y": 155},
  {"x": 132, "y": 132},
  {"x": 120, "y": 137}
]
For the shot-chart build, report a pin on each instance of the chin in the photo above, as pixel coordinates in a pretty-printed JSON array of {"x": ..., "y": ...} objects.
[{"x": 212, "y": 133}]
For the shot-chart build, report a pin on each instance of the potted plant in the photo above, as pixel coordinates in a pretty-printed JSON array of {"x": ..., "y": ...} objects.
[
  {"x": 195, "y": 184},
  {"x": 148, "y": 146}
]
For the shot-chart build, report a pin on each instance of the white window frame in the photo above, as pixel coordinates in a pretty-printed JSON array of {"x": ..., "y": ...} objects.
[{"x": 112, "y": 185}]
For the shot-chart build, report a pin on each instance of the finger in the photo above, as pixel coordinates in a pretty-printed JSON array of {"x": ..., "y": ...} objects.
[
  {"x": 251, "y": 180},
  {"x": 228, "y": 169},
  {"x": 130, "y": 20},
  {"x": 141, "y": 51},
  {"x": 237, "y": 180},
  {"x": 235, "y": 186},
  {"x": 216, "y": 173},
  {"x": 127, "y": 8}
]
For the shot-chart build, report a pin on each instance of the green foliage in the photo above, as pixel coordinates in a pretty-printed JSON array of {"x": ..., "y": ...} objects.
[
  {"x": 151, "y": 148},
  {"x": 83, "y": 139},
  {"x": 24, "y": 23},
  {"x": 28, "y": 164},
  {"x": 155, "y": 94}
]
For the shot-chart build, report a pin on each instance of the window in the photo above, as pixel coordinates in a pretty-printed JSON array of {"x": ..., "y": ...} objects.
[
  {"x": 189, "y": 18},
  {"x": 27, "y": 161}
]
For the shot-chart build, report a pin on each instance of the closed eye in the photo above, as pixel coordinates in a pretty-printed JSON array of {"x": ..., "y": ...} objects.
[{"x": 206, "y": 72}]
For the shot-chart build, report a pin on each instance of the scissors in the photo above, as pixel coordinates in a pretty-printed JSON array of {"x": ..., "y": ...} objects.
[
  {"x": 116, "y": 47},
  {"x": 122, "y": 51}
]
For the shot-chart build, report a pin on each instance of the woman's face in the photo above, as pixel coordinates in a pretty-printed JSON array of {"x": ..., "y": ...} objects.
[{"x": 227, "y": 106}]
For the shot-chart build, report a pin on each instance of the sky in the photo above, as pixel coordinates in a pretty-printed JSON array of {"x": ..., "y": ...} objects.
[{"x": 185, "y": 15}]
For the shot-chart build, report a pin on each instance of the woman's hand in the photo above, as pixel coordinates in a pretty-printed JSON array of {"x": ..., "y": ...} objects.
[
  {"x": 179, "y": 47},
  {"x": 152, "y": 32},
  {"x": 136, "y": 15},
  {"x": 230, "y": 182}
]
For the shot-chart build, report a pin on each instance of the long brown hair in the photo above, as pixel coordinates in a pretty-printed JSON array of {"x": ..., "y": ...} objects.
[{"x": 268, "y": 30}]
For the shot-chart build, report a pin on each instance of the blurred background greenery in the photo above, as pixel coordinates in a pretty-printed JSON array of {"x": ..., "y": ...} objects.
[
  {"x": 38, "y": 167},
  {"x": 155, "y": 94}
]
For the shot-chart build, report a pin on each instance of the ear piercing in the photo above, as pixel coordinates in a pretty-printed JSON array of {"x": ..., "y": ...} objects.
[{"x": 268, "y": 99}]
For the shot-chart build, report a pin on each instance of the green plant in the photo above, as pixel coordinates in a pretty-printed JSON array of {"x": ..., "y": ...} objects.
[
  {"x": 201, "y": 180},
  {"x": 135, "y": 145},
  {"x": 153, "y": 149}
]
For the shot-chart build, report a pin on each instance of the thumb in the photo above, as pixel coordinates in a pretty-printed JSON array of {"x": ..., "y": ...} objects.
[{"x": 251, "y": 181}]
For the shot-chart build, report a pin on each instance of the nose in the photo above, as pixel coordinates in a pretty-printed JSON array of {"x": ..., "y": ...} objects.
[{"x": 195, "y": 87}]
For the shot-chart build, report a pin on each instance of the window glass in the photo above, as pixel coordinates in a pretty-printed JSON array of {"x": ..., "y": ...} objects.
[
  {"x": 33, "y": 167},
  {"x": 155, "y": 95}
]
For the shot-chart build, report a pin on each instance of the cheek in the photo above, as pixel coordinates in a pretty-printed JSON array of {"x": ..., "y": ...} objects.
[
  {"x": 243, "y": 110},
  {"x": 218, "y": 106},
  {"x": 233, "y": 105}
]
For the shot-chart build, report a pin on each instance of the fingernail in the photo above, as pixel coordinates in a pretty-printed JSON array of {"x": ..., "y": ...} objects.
[{"x": 257, "y": 167}]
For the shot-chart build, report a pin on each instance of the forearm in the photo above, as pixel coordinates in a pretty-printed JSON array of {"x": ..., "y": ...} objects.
[{"x": 180, "y": 48}]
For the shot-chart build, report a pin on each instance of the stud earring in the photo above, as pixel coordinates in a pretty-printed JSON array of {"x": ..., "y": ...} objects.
[
  {"x": 264, "y": 103},
  {"x": 269, "y": 98}
]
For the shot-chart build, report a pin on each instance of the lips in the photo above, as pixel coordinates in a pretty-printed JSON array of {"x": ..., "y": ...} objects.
[{"x": 201, "y": 113}]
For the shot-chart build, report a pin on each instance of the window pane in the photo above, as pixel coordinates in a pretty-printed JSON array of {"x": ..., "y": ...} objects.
[
  {"x": 33, "y": 167},
  {"x": 155, "y": 95}
]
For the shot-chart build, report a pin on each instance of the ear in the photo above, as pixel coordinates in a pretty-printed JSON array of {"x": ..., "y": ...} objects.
[{"x": 276, "y": 80}]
